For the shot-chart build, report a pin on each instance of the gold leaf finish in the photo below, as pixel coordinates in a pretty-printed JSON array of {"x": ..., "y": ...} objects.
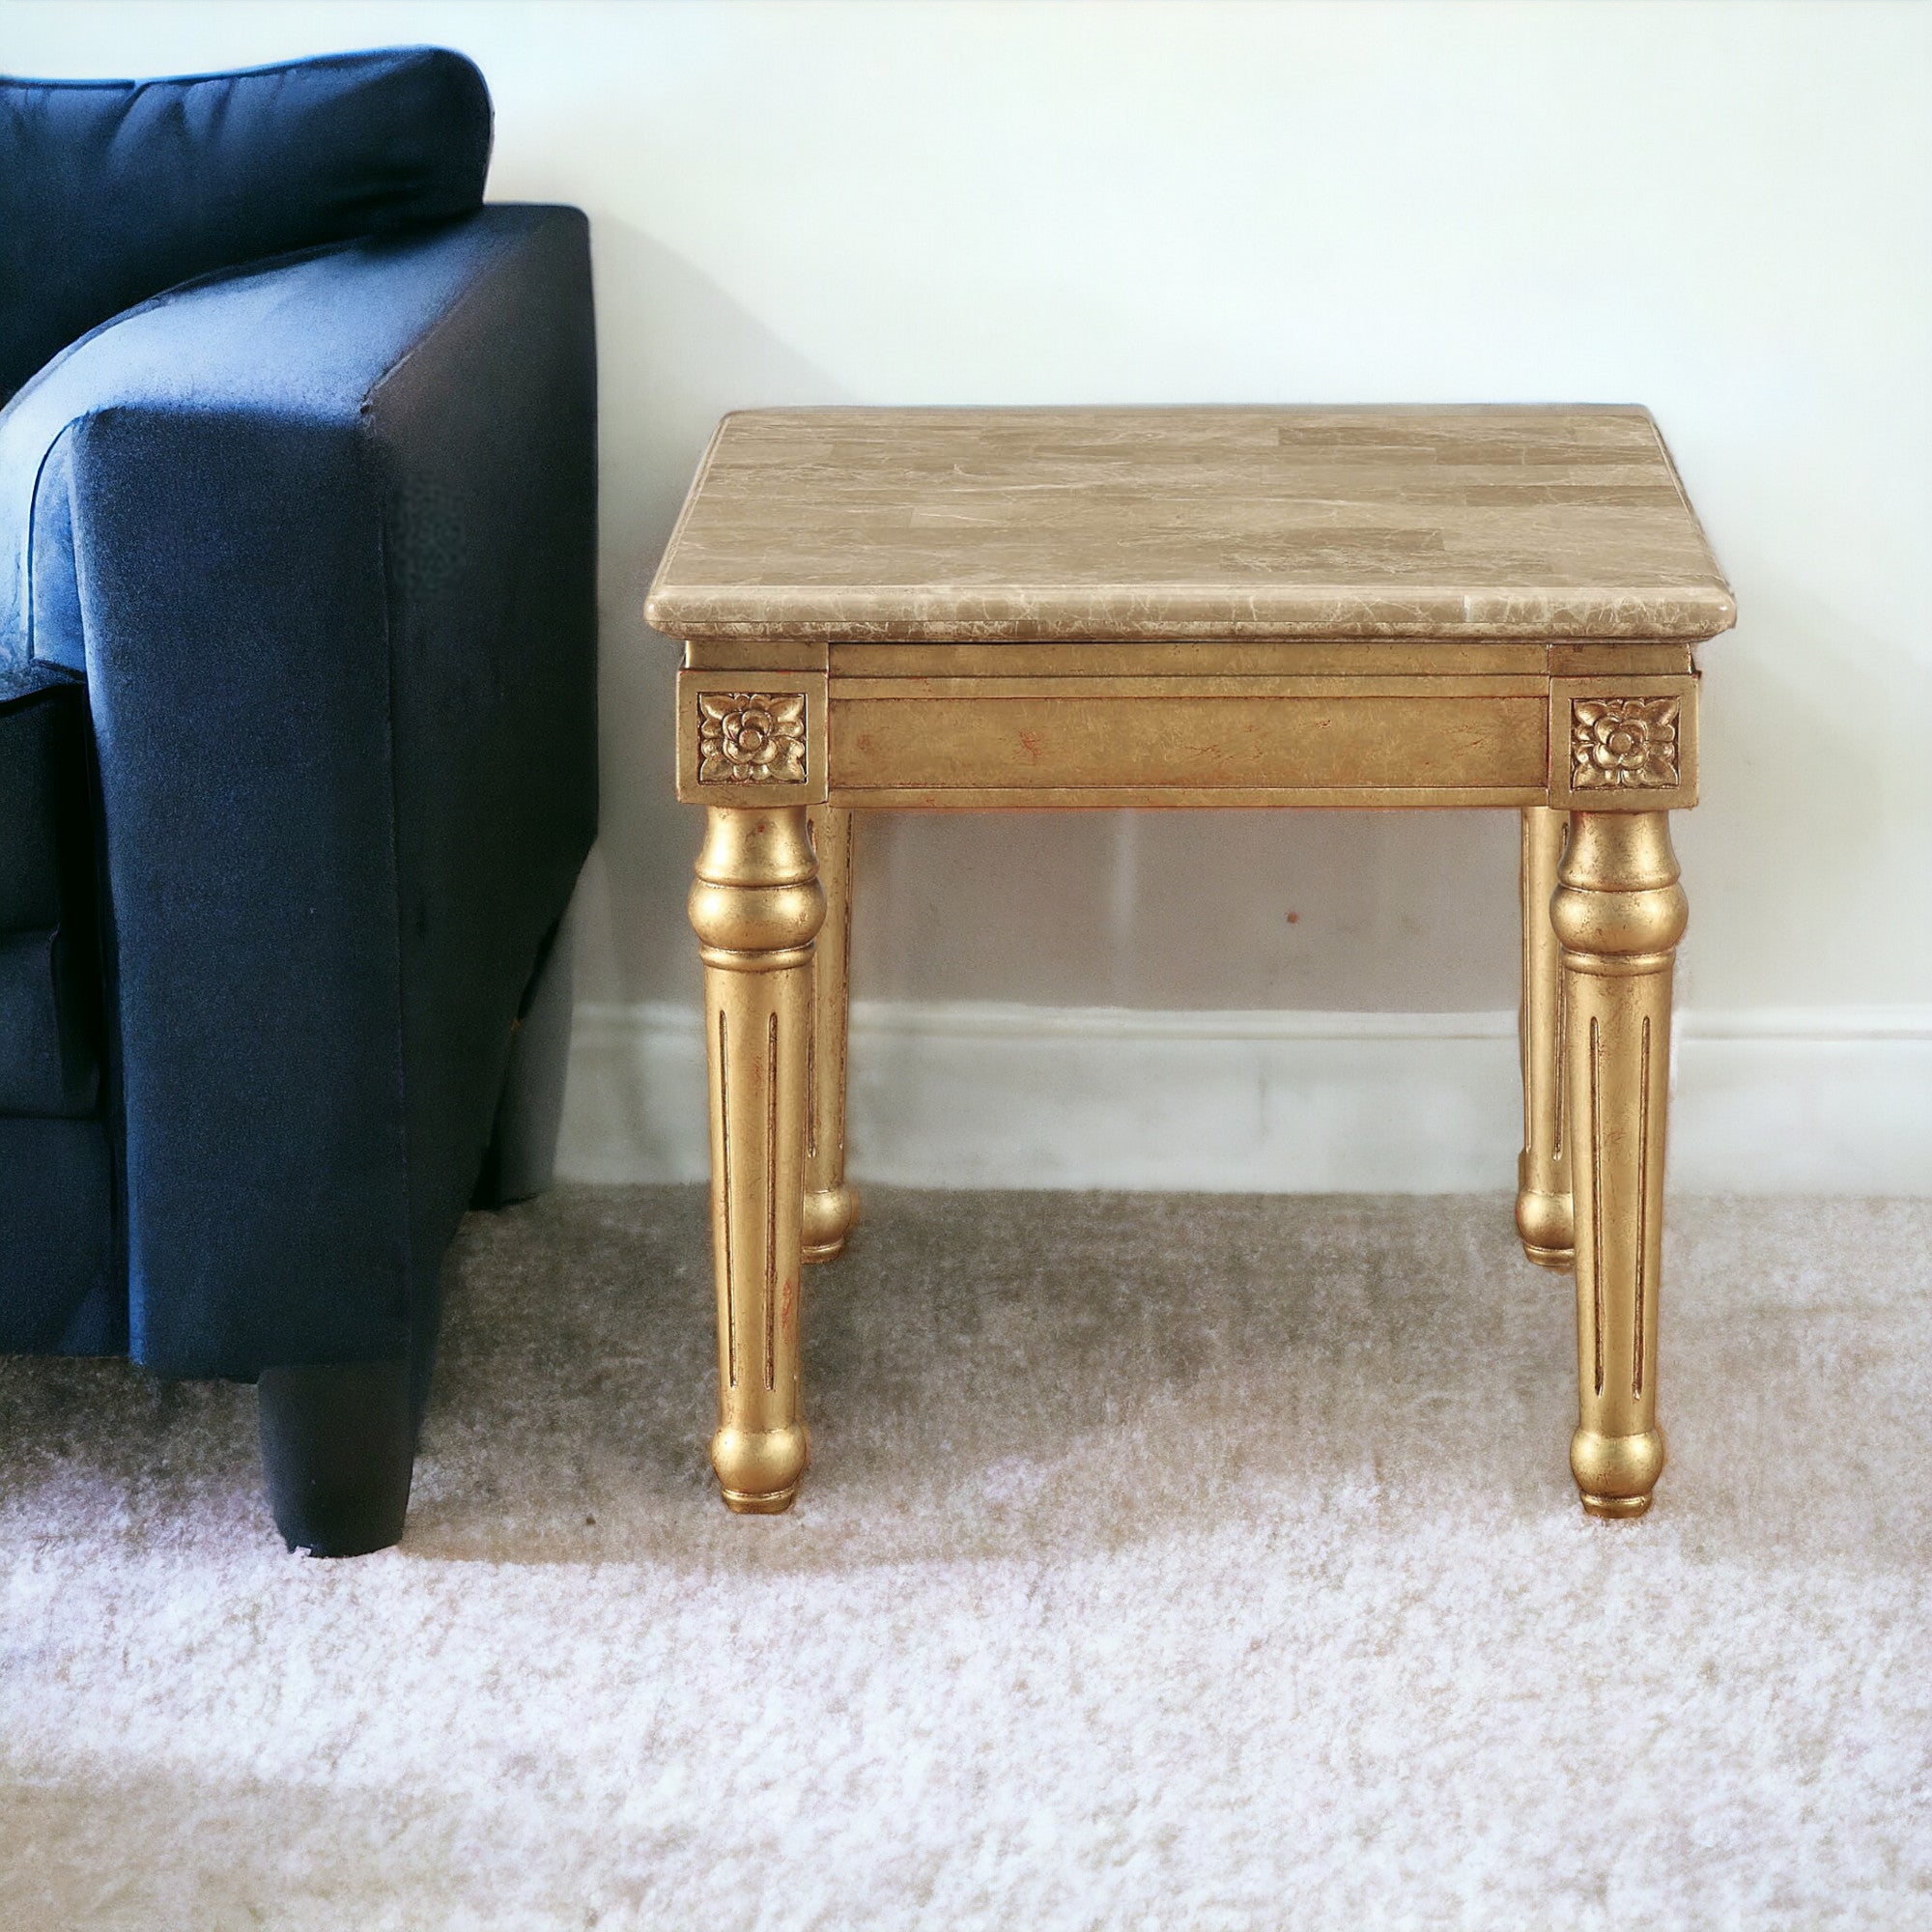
[
  {"x": 757, "y": 908},
  {"x": 1624, "y": 742},
  {"x": 991, "y": 609},
  {"x": 1545, "y": 1215},
  {"x": 1619, "y": 911},
  {"x": 831, "y": 1204},
  {"x": 750, "y": 737}
]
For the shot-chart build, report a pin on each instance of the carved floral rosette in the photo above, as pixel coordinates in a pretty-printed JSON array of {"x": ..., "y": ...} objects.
[
  {"x": 751, "y": 737},
  {"x": 1624, "y": 743}
]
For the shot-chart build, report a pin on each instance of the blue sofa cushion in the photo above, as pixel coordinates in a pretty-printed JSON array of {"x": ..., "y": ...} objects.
[
  {"x": 41, "y": 751},
  {"x": 113, "y": 190},
  {"x": 50, "y": 984},
  {"x": 48, "y": 1063},
  {"x": 61, "y": 1292}
]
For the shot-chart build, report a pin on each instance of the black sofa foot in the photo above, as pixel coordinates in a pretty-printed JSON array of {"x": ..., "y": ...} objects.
[{"x": 338, "y": 1447}]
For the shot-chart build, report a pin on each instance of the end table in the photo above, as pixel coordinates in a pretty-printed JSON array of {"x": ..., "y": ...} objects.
[{"x": 979, "y": 609}]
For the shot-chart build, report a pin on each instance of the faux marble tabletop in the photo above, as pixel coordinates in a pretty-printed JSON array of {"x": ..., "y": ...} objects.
[{"x": 952, "y": 526}]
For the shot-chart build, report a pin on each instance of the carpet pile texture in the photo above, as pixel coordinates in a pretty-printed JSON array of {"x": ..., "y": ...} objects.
[{"x": 1167, "y": 1561}]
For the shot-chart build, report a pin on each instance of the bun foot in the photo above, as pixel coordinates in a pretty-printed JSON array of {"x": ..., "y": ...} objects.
[
  {"x": 830, "y": 1214},
  {"x": 338, "y": 1450}
]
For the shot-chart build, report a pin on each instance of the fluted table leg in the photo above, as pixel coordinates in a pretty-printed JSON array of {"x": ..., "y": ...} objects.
[
  {"x": 831, "y": 1207},
  {"x": 757, "y": 907},
  {"x": 1618, "y": 912},
  {"x": 1543, "y": 1209}
]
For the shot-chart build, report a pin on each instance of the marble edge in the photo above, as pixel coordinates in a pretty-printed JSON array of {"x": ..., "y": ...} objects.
[
  {"x": 685, "y": 512},
  {"x": 1154, "y": 613},
  {"x": 798, "y": 411},
  {"x": 1696, "y": 521}
]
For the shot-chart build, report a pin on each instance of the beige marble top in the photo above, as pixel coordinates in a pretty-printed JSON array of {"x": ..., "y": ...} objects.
[{"x": 965, "y": 525}]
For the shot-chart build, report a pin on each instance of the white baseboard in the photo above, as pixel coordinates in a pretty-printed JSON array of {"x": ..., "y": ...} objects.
[{"x": 1826, "y": 1101}]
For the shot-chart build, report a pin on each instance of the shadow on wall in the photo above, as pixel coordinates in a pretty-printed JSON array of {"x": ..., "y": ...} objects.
[
  {"x": 1185, "y": 910},
  {"x": 1833, "y": 828},
  {"x": 676, "y": 352}
]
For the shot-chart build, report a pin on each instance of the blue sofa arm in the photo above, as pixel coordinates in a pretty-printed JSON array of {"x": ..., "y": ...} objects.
[{"x": 320, "y": 535}]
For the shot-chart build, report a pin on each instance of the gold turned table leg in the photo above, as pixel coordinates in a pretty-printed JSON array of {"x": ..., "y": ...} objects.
[
  {"x": 831, "y": 1207},
  {"x": 1619, "y": 913},
  {"x": 1544, "y": 1217},
  {"x": 757, "y": 907}
]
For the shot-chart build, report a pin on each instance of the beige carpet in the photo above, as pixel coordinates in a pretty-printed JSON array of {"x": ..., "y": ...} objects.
[{"x": 1167, "y": 1561}]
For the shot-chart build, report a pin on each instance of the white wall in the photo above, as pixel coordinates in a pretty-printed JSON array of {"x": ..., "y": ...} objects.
[{"x": 1721, "y": 211}]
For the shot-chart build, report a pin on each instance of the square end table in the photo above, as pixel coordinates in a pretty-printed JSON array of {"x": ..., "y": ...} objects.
[{"x": 979, "y": 609}]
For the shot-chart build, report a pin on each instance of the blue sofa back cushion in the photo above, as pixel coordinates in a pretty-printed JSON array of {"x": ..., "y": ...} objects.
[
  {"x": 112, "y": 190},
  {"x": 49, "y": 981}
]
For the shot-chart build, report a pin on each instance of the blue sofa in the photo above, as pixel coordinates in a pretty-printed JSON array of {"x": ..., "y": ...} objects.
[{"x": 298, "y": 497}]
